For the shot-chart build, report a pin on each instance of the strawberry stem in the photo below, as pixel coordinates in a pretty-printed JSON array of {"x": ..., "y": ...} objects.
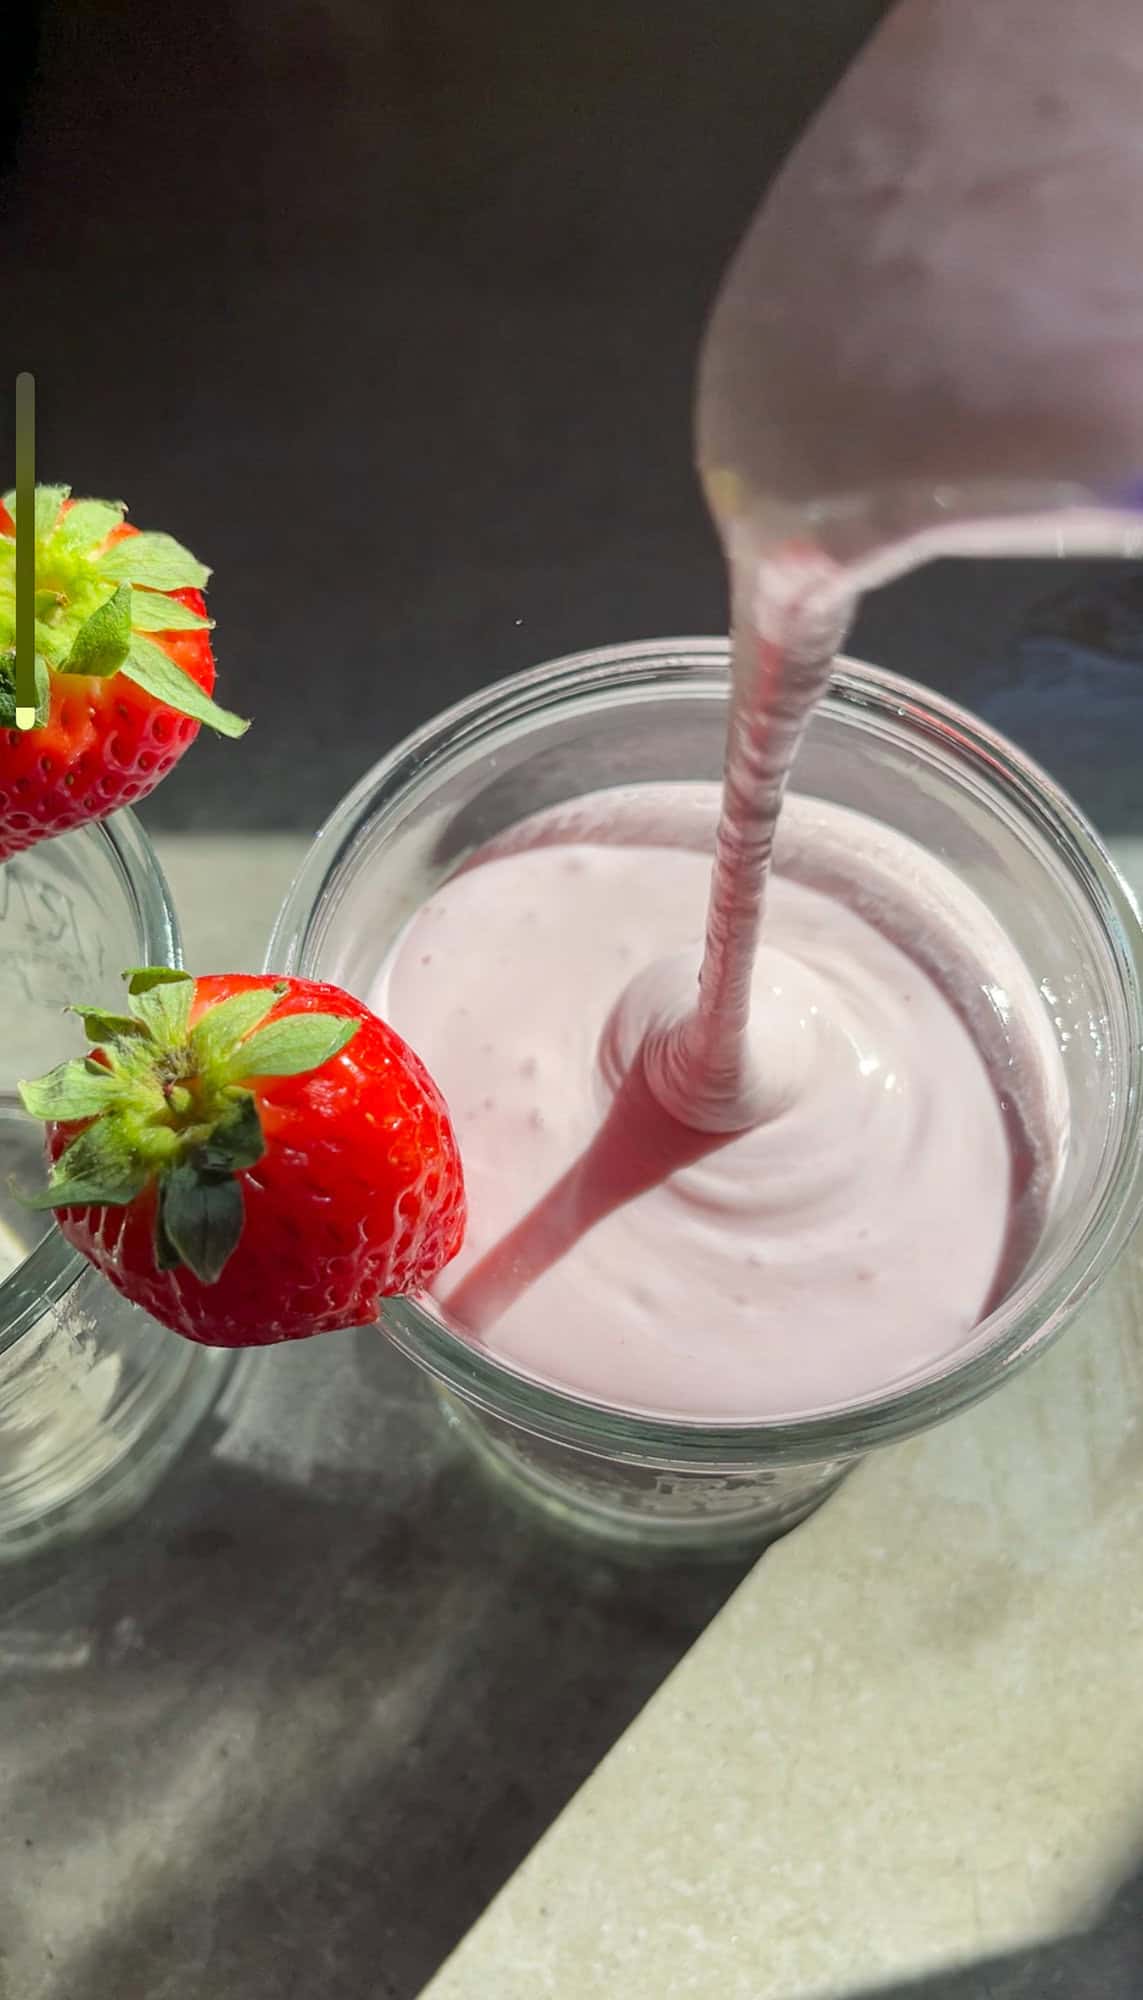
[
  {"x": 100, "y": 598},
  {"x": 161, "y": 1103}
]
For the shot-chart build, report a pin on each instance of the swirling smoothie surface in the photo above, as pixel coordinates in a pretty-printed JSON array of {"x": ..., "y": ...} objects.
[
  {"x": 803, "y": 1178},
  {"x": 909, "y": 1111}
]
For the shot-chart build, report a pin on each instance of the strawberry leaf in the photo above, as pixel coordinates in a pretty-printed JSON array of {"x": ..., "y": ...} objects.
[
  {"x": 221, "y": 1028},
  {"x": 236, "y": 1143},
  {"x": 8, "y": 703},
  {"x": 166, "y": 1256},
  {"x": 288, "y": 1047},
  {"x": 85, "y": 1190},
  {"x": 201, "y": 1219},
  {"x": 98, "y": 1167},
  {"x": 159, "y": 997},
  {"x": 88, "y": 523},
  {"x": 49, "y": 500},
  {"x": 53, "y": 641},
  {"x": 43, "y": 691},
  {"x": 164, "y": 1009},
  {"x": 148, "y": 666},
  {"x": 141, "y": 978},
  {"x": 79, "y": 1089},
  {"x": 156, "y": 560},
  {"x": 154, "y": 611},
  {"x": 104, "y": 640},
  {"x": 99, "y": 1026}
]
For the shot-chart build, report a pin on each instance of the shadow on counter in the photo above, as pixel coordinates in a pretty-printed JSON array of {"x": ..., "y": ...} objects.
[
  {"x": 1103, "y": 1963},
  {"x": 289, "y": 1733}
]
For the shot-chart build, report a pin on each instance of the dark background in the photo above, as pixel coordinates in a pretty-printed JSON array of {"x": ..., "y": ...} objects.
[{"x": 389, "y": 308}]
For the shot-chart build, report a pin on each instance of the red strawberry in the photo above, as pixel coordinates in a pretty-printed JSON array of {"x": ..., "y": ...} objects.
[
  {"x": 250, "y": 1160},
  {"x": 124, "y": 667}
]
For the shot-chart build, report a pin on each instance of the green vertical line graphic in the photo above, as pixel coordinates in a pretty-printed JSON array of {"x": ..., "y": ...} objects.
[{"x": 25, "y": 552}]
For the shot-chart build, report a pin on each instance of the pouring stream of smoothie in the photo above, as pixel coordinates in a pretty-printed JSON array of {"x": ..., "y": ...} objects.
[
  {"x": 717, "y": 1064},
  {"x": 930, "y": 339},
  {"x": 795, "y": 1167}
]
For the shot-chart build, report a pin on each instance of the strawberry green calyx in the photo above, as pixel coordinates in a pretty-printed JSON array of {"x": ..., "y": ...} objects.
[
  {"x": 161, "y": 1104},
  {"x": 100, "y": 596}
]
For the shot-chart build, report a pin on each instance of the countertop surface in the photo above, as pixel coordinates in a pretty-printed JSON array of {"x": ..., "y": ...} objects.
[
  {"x": 907, "y": 1759},
  {"x": 390, "y": 311}
]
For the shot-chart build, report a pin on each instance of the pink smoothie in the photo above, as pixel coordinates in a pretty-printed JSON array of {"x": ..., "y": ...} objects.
[
  {"x": 760, "y": 1111},
  {"x": 908, "y": 1113}
]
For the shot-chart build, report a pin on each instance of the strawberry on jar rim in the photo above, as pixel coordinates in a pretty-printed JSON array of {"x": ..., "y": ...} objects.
[
  {"x": 250, "y": 1159},
  {"x": 124, "y": 666}
]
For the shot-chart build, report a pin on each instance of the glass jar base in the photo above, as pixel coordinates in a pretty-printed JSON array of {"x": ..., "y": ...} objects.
[
  {"x": 117, "y": 1485},
  {"x": 642, "y": 1511}
]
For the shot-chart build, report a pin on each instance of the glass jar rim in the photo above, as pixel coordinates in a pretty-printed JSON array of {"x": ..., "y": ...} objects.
[
  {"x": 50, "y": 1269},
  {"x": 1031, "y": 1315}
]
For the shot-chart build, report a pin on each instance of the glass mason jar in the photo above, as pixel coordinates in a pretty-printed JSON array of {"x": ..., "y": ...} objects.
[
  {"x": 96, "y": 1399},
  {"x": 638, "y": 713}
]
